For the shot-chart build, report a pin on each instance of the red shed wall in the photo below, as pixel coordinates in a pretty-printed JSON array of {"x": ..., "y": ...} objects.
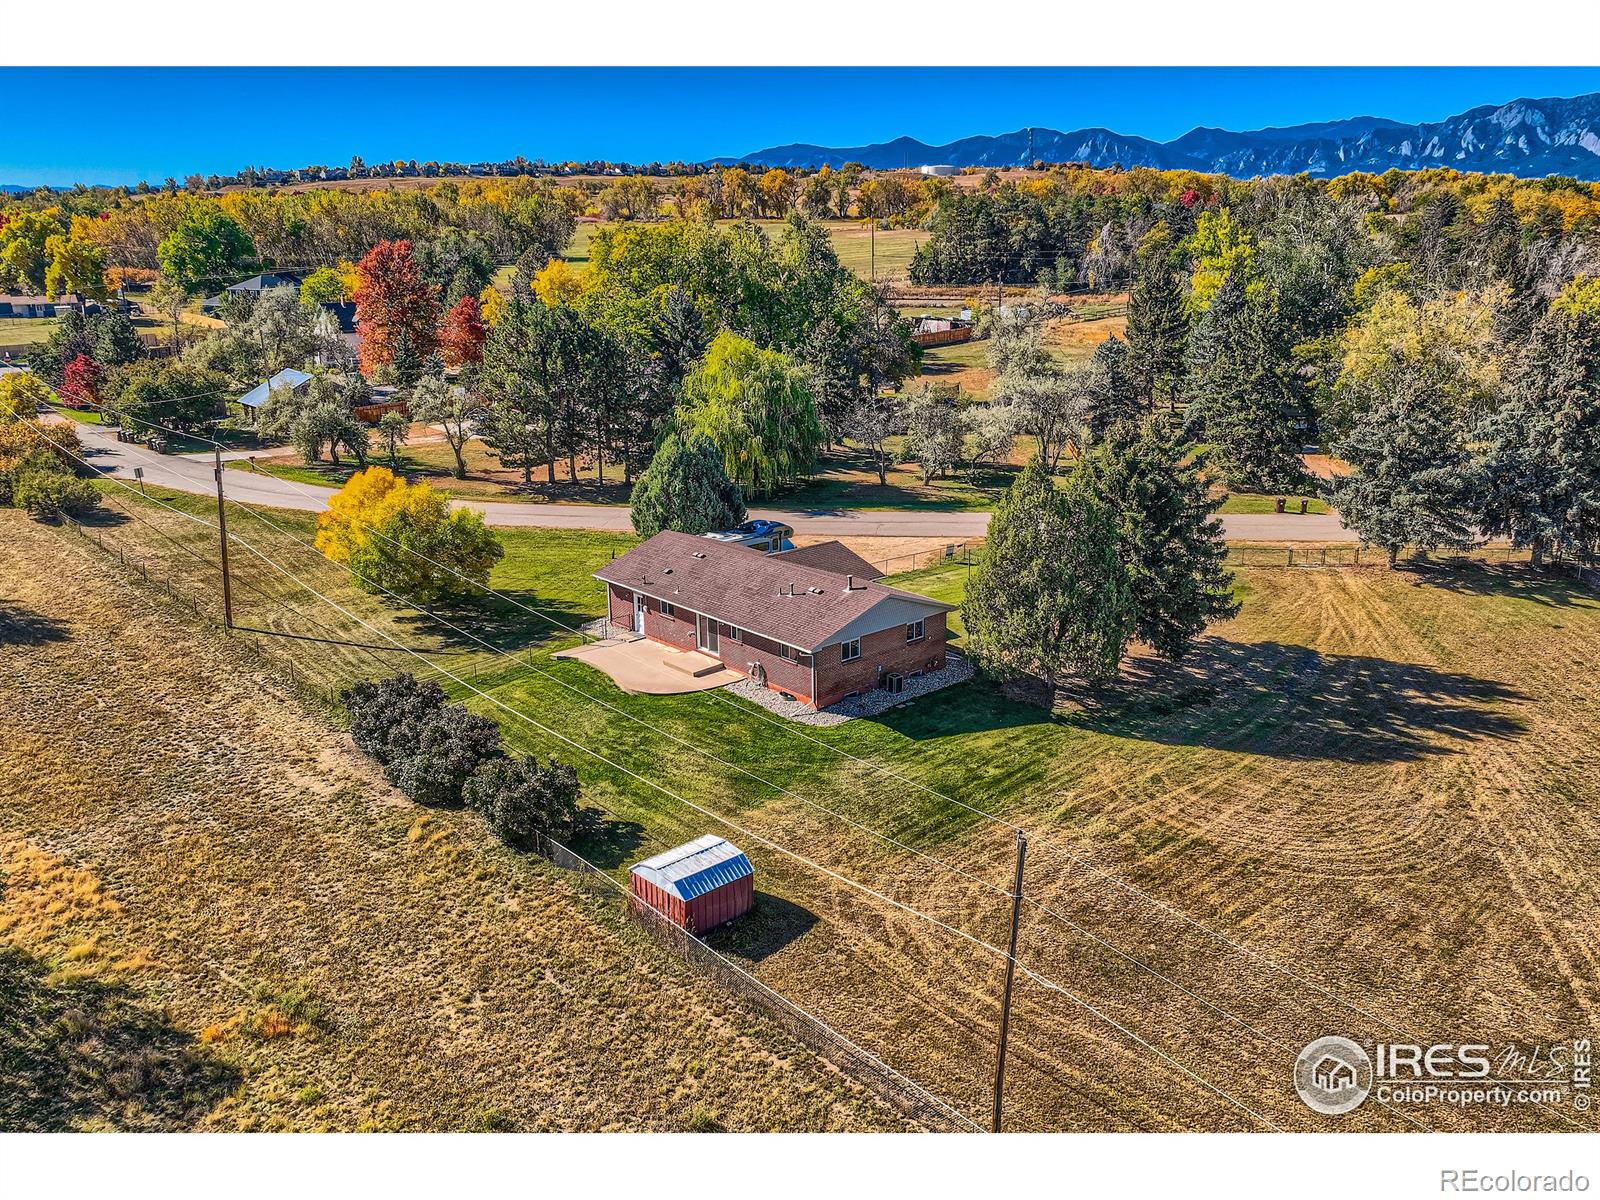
[
  {"x": 721, "y": 905},
  {"x": 649, "y": 896}
]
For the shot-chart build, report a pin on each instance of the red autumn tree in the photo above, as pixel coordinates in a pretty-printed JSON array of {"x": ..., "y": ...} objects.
[
  {"x": 80, "y": 382},
  {"x": 463, "y": 334},
  {"x": 394, "y": 304}
]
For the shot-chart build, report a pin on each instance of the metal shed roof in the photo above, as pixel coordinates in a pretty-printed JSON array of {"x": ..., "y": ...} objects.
[
  {"x": 696, "y": 867},
  {"x": 288, "y": 377}
]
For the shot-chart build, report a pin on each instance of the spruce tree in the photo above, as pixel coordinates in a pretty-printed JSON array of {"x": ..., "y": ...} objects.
[
  {"x": 1170, "y": 544},
  {"x": 1157, "y": 324},
  {"x": 1241, "y": 396},
  {"x": 1540, "y": 469},
  {"x": 1050, "y": 598},
  {"x": 686, "y": 488},
  {"x": 1412, "y": 483},
  {"x": 1113, "y": 403}
]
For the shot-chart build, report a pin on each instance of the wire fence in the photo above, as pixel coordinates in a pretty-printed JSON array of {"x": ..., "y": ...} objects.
[
  {"x": 278, "y": 656},
  {"x": 904, "y": 1095},
  {"x": 951, "y": 553},
  {"x": 1353, "y": 554}
]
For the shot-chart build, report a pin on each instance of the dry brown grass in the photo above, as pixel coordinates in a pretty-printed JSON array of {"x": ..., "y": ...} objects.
[
  {"x": 1381, "y": 781},
  {"x": 268, "y": 921}
]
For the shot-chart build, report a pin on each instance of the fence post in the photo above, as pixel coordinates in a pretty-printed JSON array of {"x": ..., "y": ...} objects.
[{"x": 1290, "y": 563}]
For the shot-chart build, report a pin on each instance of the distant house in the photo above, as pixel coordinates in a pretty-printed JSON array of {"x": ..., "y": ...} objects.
[
  {"x": 253, "y": 286},
  {"x": 815, "y": 634},
  {"x": 252, "y": 400},
  {"x": 41, "y": 306},
  {"x": 939, "y": 169},
  {"x": 697, "y": 886}
]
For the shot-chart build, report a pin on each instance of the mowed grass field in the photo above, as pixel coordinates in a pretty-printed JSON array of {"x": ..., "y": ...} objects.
[
  {"x": 214, "y": 914},
  {"x": 854, "y": 241},
  {"x": 1366, "y": 806}
]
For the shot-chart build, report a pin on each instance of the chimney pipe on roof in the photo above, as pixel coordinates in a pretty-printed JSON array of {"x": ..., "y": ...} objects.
[{"x": 849, "y": 583}]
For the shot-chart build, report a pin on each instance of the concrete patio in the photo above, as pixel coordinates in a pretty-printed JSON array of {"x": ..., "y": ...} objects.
[{"x": 642, "y": 667}]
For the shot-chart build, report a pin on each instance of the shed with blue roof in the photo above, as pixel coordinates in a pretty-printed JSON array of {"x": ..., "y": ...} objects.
[
  {"x": 699, "y": 885},
  {"x": 290, "y": 378}
]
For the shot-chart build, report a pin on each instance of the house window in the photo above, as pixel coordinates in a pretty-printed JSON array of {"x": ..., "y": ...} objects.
[
  {"x": 730, "y": 631},
  {"x": 666, "y": 609},
  {"x": 852, "y": 650},
  {"x": 916, "y": 631},
  {"x": 789, "y": 652}
]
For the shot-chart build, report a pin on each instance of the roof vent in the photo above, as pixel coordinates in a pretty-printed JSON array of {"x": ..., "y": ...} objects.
[
  {"x": 849, "y": 583},
  {"x": 697, "y": 554},
  {"x": 666, "y": 570},
  {"x": 816, "y": 591}
]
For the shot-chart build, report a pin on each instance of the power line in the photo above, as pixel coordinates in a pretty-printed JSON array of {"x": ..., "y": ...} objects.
[
  {"x": 764, "y": 988},
  {"x": 867, "y": 829}
]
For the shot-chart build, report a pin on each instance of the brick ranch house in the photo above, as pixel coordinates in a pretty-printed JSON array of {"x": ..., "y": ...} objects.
[{"x": 816, "y": 633}]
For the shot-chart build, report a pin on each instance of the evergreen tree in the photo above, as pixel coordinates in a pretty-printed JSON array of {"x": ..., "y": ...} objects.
[
  {"x": 1157, "y": 324},
  {"x": 1540, "y": 470},
  {"x": 1113, "y": 402},
  {"x": 686, "y": 488},
  {"x": 1241, "y": 398},
  {"x": 1050, "y": 597},
  {"x": 1172, "y": 548},
  {"x": 1412, "y": 484}
]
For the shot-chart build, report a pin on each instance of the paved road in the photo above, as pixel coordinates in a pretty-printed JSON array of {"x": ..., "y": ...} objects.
[{"x": 185, "y": 473}]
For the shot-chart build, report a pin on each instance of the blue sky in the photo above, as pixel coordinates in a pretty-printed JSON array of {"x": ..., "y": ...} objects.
[{"x": 120, "y": 125}]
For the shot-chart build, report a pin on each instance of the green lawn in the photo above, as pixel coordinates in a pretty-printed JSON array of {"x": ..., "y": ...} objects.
[
  {"x": 1245, "y": 502},
  {"x": 83, "y": 416},
  {"x": 25, "y": 331},
  {"x": 1399, "y": 721}
]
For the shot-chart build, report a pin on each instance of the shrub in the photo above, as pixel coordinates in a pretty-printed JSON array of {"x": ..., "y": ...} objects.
[
  {"x": 45, "y": 490},
  {"x": 385, "y": 716},
  {"x": 449, "y": 744},
  {"x": 520, "y": 797}
]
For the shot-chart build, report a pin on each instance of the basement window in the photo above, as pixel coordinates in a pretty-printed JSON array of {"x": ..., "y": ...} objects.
[{"x": 852, "y": 650}]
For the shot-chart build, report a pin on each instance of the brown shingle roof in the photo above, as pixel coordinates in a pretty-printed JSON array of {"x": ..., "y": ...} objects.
[
  {"x": 832, "y": 556},
  {"x": 752, "y": 591}
]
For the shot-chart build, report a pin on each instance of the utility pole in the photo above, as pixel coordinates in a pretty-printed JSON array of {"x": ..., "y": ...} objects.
[
  {"x": 222, "y": 534},
  {"x": 1011, "y": 973},
  {"x": 873, "y": 239}
]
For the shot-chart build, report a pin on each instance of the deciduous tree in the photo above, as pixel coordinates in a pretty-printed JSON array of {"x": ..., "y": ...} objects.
[{"x": 394, "y": 305}]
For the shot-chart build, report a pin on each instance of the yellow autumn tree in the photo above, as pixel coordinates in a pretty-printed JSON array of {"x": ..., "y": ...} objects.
[
  {"x": 557, "y": 284},
  {"x": 491, "y": 305},
  {"x": 21, "y": 394},
  {"x": 352, "y": 510},
  {"x": 405, "y": 538}
]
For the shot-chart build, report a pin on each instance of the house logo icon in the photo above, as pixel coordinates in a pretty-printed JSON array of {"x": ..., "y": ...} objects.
[{"x": 1333, "y": 1075}]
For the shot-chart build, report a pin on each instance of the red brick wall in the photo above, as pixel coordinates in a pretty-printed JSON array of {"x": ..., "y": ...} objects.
[
  {"x": 835, "y": 679},
  {"x": 783, "y": 674},
  {"x": 887, "y": 649}
]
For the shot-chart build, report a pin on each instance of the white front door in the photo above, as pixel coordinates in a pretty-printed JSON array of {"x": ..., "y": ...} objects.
[{"x": 638, "y": 613}]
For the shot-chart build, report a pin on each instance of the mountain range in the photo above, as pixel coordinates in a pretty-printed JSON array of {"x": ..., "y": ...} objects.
[{"x": 1556, "y": 136}]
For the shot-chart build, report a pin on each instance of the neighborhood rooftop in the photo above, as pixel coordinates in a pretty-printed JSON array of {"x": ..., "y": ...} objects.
[
  {"x": 288, "y": 377},
  {"x": 772, "y": 595},
  {"x": 832, "y": 556}
]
